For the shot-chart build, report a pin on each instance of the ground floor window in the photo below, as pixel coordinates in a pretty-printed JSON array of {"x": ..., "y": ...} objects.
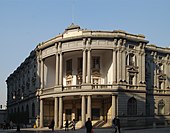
[
  {"x": 78, "y": 115},
  {"x": 68, "y": 114},
  {"x": 132, "y": 106},
  {"x": 95, "y": 113}
]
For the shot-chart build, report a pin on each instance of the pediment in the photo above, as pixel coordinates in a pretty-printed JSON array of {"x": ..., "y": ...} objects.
[
  {"x": 132, "y": 69},
  {"x": 162, "y": 77}
]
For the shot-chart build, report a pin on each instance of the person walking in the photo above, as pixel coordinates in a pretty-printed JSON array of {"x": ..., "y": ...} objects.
[
  {"x": 88, "y": 125},
  {"x": 52, "y": 124},
  {"x": 116, "y": 124},
  {"x": 73, "y": 124},
  {"x": 66, "y": 125}
]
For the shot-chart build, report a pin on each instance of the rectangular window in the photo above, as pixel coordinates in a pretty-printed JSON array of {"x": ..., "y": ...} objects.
[
  {"x": 69, "y": 66},
  {"x": 68, "y": 114},
  {"x": 96, "y": 62},
  {"x": 95, "y": 114},
  {"x": 160, "y": 84},
  {"x": 131, "y": 79},
  {"x": 80, "y": 64}
]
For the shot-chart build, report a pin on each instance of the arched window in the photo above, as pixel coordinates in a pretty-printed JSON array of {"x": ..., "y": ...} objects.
[
  {"x": 12, "y": 111},
  {"x": 33, "y": 110},
  {"x": 132, "y": 106},
  {"x": 161, "y": 107},
  {"x": 27, "y": 114},
  {"x": 22, "y": 109}
]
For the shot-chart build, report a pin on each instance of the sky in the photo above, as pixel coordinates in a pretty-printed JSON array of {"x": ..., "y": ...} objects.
[{"x": 26, "y": 23}]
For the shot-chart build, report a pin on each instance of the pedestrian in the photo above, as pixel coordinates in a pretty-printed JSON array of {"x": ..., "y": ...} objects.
[
  {"x": 116, "y": 124},
  {"x": 52, "y": 125},
  {"x": 66, "y": 125},
  {"x": 11, "y": 124},
  {"x": 73, "y": 124},
  {"x": 88, "y": 125}
]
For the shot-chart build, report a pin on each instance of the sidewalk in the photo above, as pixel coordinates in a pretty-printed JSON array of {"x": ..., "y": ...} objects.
[{"x": 97, "y": 130}]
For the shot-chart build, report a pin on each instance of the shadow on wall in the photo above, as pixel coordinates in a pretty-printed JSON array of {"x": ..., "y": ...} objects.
[
  {"x": 137, "y": 108},
  {"x": 23, "y": 101}
]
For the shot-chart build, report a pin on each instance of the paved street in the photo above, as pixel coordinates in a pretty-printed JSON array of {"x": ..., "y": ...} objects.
[{"x": 108, "y": 130}]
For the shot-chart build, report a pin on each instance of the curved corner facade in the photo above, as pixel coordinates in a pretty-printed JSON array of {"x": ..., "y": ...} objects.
[{"x": 83, "y": 74}]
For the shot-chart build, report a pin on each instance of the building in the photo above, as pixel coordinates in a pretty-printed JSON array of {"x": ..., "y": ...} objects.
[{"x": 82, "y": 74}]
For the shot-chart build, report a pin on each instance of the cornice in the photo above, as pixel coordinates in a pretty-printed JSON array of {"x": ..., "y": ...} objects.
[{"x": 80, "y": 34}]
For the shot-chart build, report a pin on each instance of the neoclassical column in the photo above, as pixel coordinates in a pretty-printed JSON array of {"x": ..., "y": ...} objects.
[
  {"x": 83, "y": 110},
  {"x": 60, "y": 112},
  {"x": 124, "y": 65},
  {"x": 143, "y": 67},
  {"x": 42, "y": 73},
  {"x": 118, "y": 66},
  {"x": 56, "y": 111},
  {"x": 166, "y": 72},
  {"x": 155, "y": 74},
  {"x": 84, "y": 66},
  {"x": 113, "y": 106},
  {"x": 114, "y": 62},
  {"x": 123, "y": 53},
  {"x": 38, "y": 70},
  {"x": 61, "y": 69},
  {"x": 89, "y": 106},
  {"x": 140, "y": 68},
  {"x": 119, "y": 61},
  {"x": 56, "y": 67},
  {"x": 89, "y": 66},
  {"x": 41, "y": 113}
]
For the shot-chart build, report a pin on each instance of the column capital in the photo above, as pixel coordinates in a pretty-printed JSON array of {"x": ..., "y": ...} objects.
[
  {"x": 89, "y": 40},
  {"x": 84, "y": 49},
  {"x": 124, "y": 41},
  {"x": 84, "y": 41},
  {"x": 56, "y": 45},
  {"x": 120, "y": 41}
]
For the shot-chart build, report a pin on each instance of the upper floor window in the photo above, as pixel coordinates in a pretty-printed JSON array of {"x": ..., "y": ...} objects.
[
  {"x": 80, "y": 64},
  {"x": 161, "y": 107},
  {"x": 131, "y": 60},
  {"x": 69, "y": 66},
  {"x": 160, "y": 84},
  {"x": 96, "y": 62},
  {"x": 131, "y": 79},
  {"x": 33, "y": 110},
  {"x": 160, "y": 68},
  {"x": 132, "y": 106}
]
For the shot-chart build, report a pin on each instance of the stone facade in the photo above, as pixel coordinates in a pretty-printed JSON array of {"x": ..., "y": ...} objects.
[{"x": 84, "y": 74}]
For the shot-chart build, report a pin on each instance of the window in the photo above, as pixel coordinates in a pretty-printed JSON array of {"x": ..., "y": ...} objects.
[
  {"x": 68, "y": 82},
  {"x": 69, "y": 66},
  {"x": 33, "y": 110},
  {"x": 68, "y": 114},
  {"x": 160, "y": 68},
  {"x": 95, "y": 114},
  {"x": 80, "y": 64},
  {"x": 132, "y": 106},
  {"x": 131, "y": 60},
  {"x": 161, "y": 107},
  {"x": 131, "y": 78},
  {"x": 96, "y": 62},
  {"x": 160, "y": 84}
]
